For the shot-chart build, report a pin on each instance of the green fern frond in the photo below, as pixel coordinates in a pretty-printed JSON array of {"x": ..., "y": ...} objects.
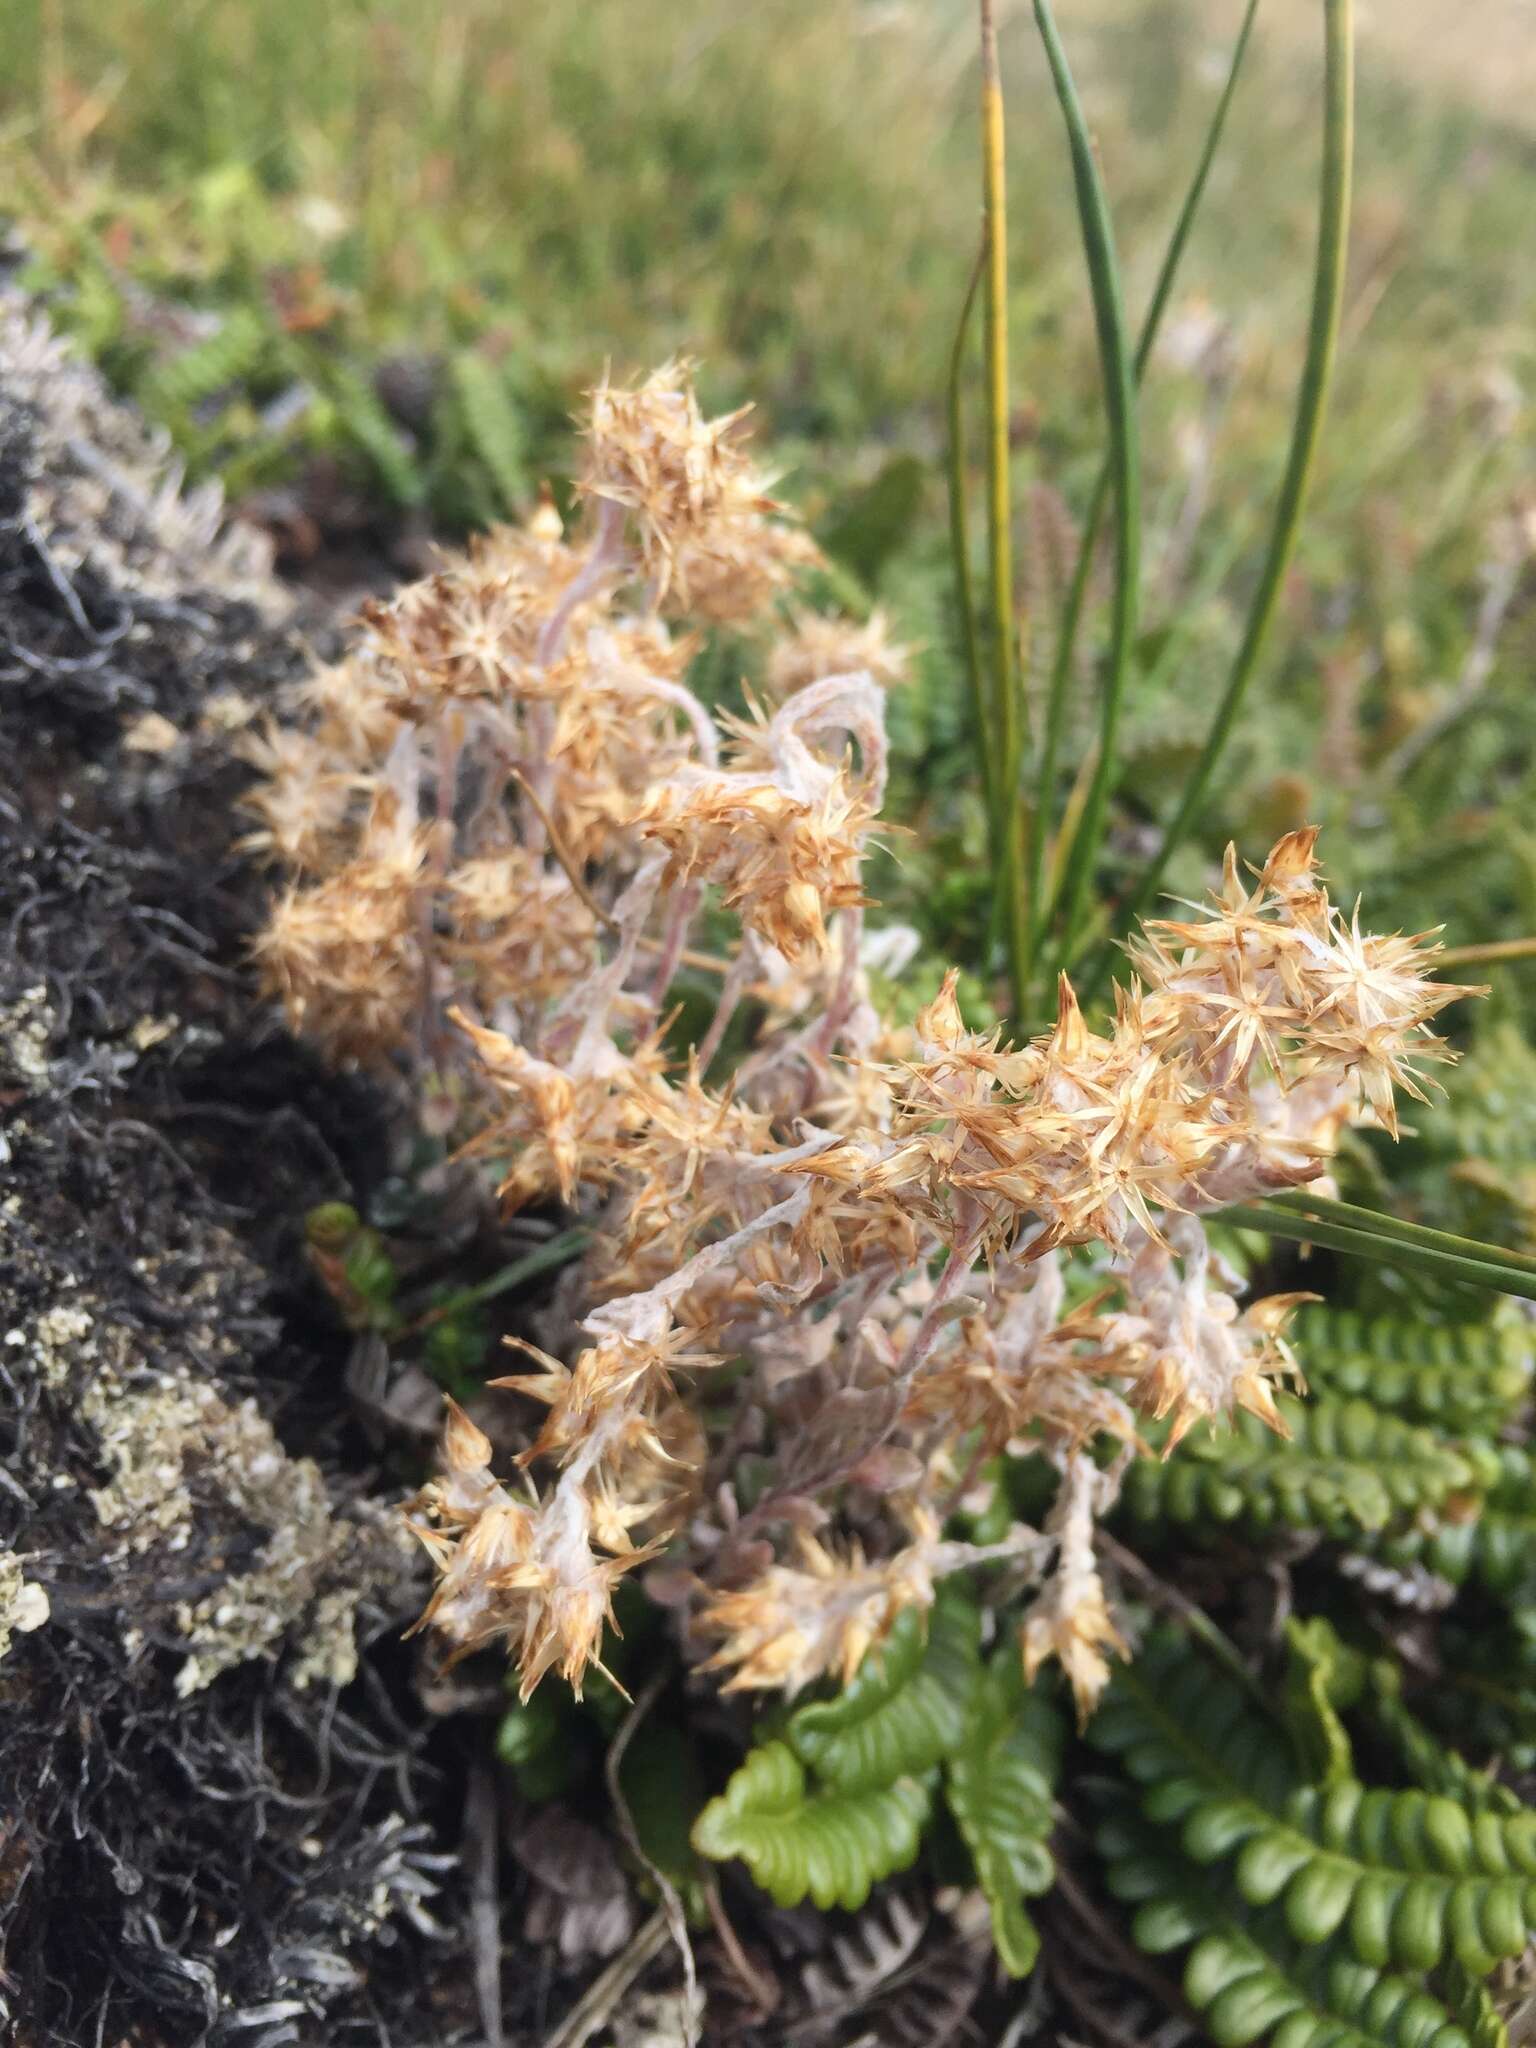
[
  {"x": 1490, "y": 1111},
  {"x": 1323, "y": 1675},
  {"x": 1247, "y": 1977},
  {"x": 1488, "y": 1541},
  {"x": 905, "y": 1708},
  {"x": 1466, "y": 1377},
  {"x": 1346, "y": 1467},
  {"x": 1474, "y": 2009},
  {"x": 492, "y": 424},
  {"x": 209, "y": 367},
  {"x": 1000, "y": 1785},
  {"x": 363, "y": 421},
  {"x": 832, "y": 1847},
  {"x": 1328, "y": 1676},
  {"x": 1412, "y": 1875},
  {"x": 840, "y": 1799}
]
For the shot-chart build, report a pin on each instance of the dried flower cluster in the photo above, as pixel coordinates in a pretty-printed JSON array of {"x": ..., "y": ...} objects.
[{"x": 502, "y": 821}]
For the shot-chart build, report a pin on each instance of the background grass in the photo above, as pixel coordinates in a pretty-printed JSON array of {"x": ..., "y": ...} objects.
[{"x": 386, "y": 244}]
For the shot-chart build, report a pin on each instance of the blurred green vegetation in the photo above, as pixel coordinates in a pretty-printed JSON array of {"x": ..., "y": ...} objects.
[{"x": 389, "y": 241}]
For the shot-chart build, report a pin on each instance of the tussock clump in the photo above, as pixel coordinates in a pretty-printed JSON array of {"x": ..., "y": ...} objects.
[{"x": 522, "y": 817}]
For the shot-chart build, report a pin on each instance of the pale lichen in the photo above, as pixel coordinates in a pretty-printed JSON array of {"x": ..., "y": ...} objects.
[
  {"x": 26, "y": 1025},
  {"x": 105, "y": 489},
  {"x": 23, "y": 1603},
  {"x": 188, "y": 1468}
]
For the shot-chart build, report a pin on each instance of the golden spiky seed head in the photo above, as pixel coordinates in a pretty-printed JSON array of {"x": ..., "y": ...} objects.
[
  {"x": 711, "y": 536},
  {"x": 465, "y": 1446},
  {"x": 1077, "y": 1633},
  {"x": 819, "y": 644}
]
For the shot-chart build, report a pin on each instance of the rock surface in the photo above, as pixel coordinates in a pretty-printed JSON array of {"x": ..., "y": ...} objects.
[{"x": 214, "y": 1805}]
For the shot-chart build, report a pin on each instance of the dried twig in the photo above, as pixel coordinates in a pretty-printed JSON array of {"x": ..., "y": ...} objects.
[
  {"x": 1183, "y": 1609},
  {"x": 1111, "y": 1943},
  {"x": 763, "y": 1994},
  {"x": 480, "y": 1846},
  {"x": 597, "y": 2002},
  {"x": 677, "y": 1920}
]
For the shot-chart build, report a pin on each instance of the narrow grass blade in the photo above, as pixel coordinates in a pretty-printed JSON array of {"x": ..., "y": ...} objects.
[
  {"x": 1311, "y": 404},
  {"x": 1285, "y": 1223},
  {"x": 1353, "y": 1216},
  {"x": 1007, "y": 737},
  {"x": 1124, "y": 457},
  {"x": 1066, "y": 642},
  {"x": 960, "y": 552},
  {"x": 544, "y": 1258},
  {"x": 1488, "y": 954}
]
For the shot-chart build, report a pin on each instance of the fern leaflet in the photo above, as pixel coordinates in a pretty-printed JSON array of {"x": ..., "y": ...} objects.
[
  {"x": 1412, "y": 1875},
  {"x": 1000, "y": 1786},
  {"x": 830, "y": 1846},
  {"x": 905, "y": 1708}
]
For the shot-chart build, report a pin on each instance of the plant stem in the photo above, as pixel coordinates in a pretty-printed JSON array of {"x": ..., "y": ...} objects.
[
  {"x": 1124, "y": 457},
  {"x": 559, "y": 1251},
  {"x": 1006, "y": 736},
  {"x": 1311, "y": 403},
  {"x": 1486, "y": 955},
  {"x": 1276, "y": 1222},
  {"x": 1355, "y": 1217},
  {"x": 960, "y": 551},
  {"x": 1185, "y": 1611},
  {"x": 1066, "y": 643}
]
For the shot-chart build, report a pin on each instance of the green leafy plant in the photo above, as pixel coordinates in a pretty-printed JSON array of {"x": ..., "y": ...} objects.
[
  {"x": 1001, "y": 1785},
  {"x": 804, "y": 1841},
  {"x": 840, "y": 1797},
  {"x": 904, "y": 1710},
  {"x": 1406, "y": 1877},
  {"x": 1466, "y": 1377},
  {"x": 1246, "y": 1975},
  {"x": 1491, "y": 1542},
  {"x": 1393, "y": 1454},
  {"x": 1318, "y": 1902},
  {"x": 1346, "y": 1466}
]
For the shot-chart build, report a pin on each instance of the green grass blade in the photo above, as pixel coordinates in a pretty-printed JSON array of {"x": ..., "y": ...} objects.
[
  {"x": 960, "y": 552},
  {"x": 1066, "y": 643},
  {"x": 544, "y": 1258},
  {"x": 1007, "y": 736},
  {"x": 1355, "y": 1217},
  {"x": 1173, "y": 256},
  {"x": 1311, "y": 404},
  {"x": 1389, "y": 1251},
  {"x": 1124, "y": 458}
]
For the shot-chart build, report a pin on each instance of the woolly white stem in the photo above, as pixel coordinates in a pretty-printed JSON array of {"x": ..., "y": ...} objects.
[
  {"x": 732, "y": 990},
  {"x": 844, "y": 989},
  {"x": 956, "y": 1267},
  {"x": 606, "y": 544},
  {"x": 680, "y": 915}
]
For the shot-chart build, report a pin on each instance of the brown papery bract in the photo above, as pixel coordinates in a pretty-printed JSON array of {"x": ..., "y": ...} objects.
[{"x": 873, "y": 1258}]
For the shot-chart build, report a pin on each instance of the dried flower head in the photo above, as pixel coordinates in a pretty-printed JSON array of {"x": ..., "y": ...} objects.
[
  {"x": 501, "y": 819},
  {"x": 819, "y": 645},
  {"x": 712, "y": 537}
]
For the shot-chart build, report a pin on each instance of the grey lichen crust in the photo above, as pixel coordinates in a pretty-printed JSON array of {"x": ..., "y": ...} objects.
[
  {"x": 210, "y": 1756},
  {"x": 99, "y": 491},
  {"x": 180, "y": 1455},
  {"x": 104, "y": 488},
  {"x": 23, "y": 1604}
]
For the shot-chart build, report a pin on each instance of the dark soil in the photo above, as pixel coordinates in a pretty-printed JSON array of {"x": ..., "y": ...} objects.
[{"x": 252, "y": 1858}]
